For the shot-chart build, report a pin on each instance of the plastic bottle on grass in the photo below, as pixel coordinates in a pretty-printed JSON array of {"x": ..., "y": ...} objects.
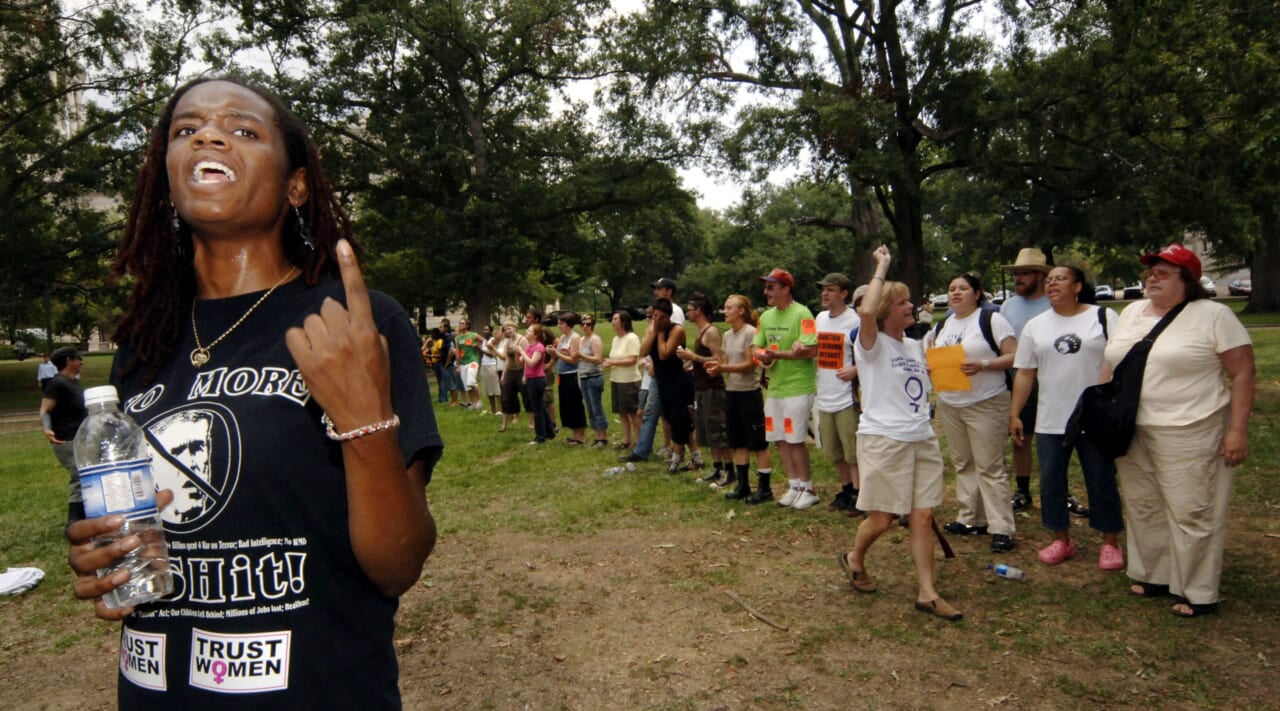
[
  {"x": 114, "y": 465},
  {"x": 1007, "y": 571}
]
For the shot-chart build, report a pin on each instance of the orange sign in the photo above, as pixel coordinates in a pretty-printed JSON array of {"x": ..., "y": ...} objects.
[
  {"x": 830, "y": 350},
  {"x": 808, "y": 327}
]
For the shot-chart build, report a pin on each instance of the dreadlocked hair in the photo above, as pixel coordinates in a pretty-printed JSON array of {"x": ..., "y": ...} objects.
[{"x": 157, "y": 251}]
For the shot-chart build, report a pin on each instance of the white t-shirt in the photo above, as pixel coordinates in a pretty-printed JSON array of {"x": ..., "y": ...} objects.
[
  {"x": 895, "y": 389},
  {"x": 677, "y": 313},
  {"x": 968, "y": 333},
  {"x": 1067, "y": 352},
  {"x": 1184, "y": 382},
  {"x": 46, "y": 370},
  {"x": 487, "y": 356},
  {"x": 835, "y": 351}
]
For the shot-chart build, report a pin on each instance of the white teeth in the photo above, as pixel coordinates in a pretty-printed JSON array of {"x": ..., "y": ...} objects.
[{"x": 209, "y": 165}]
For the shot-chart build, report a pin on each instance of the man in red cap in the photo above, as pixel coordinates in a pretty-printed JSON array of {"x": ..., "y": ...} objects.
[{"x": 786, "y": 342}]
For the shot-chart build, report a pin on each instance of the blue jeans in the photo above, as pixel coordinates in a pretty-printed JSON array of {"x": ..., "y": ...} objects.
[
  {"x": 592, "y": 387},
  {"x": 543, "y": 428},
  {"x": 442, "y": 381},
  {"x": 1099, "y": 482},
  {"x": 649, "y": 423}
]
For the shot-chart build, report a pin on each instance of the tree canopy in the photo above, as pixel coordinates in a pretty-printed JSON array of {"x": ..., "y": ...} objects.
[{"x": 481, "y": 171}]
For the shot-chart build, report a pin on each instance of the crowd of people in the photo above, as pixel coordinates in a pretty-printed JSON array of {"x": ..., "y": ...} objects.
[{"x": 856, "y": 378}]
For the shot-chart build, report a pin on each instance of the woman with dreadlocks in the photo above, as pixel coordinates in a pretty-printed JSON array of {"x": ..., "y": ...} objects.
[{"x": 288, "y": 415}]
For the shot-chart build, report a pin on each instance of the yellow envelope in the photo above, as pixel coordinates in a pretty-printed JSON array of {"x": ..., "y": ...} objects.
[{"x": 944, "y": 368}]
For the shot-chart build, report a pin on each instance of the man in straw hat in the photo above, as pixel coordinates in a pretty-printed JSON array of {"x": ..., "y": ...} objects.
[
  {"x": 1029, "y": 300},
  {"x": 1028, "y": 271}
]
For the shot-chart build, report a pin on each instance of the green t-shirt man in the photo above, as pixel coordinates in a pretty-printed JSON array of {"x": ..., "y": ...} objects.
[
  {"x": 777, "y": 331},
  {"x": 468, "y": 345}
]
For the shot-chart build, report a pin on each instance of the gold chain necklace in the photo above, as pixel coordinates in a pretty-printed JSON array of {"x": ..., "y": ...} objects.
[{"x": 201, "y": 355}]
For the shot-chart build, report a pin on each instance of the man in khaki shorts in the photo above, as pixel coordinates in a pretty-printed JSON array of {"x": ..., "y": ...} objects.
[{"x": 837, "y": 385}]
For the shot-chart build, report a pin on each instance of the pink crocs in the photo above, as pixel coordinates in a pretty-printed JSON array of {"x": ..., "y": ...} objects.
[
  {"x": 1110, "y": 558},
  {"x": 1057, "y": 552}
]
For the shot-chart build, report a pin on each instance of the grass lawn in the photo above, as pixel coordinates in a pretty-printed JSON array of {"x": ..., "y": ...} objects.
[{"x": 555, "y": 587}]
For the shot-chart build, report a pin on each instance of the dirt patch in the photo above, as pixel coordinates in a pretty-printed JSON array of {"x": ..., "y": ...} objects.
[
  {"x": 641, "y": 618},
  {"x": 635, "y": 618}
]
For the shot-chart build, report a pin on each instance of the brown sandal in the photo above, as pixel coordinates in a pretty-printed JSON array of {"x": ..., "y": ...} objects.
[
  {"x": 940, "y": 608},
  {"x": 858, "y": 579}
]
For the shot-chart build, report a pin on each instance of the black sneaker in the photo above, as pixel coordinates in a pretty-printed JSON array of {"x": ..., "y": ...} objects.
[
  {"x": 1021, "y": 501},
  {"x": 960, "y": 529},
  {"x": 843, "y": 501},
  {"x": 760, "y": 496},
  {"x": 713, "y": 476},
  {"x": 1075, "y": 508},
  {"x": 1001, "y": 543},
  {"x": 631, "y": 457}
]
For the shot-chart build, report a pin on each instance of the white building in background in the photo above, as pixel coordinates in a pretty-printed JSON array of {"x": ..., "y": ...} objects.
[{"x": 1222, "y": 276}]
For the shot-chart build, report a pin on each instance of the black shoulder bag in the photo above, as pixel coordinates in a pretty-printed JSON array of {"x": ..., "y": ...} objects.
[{"x": 1107, "y": 414}]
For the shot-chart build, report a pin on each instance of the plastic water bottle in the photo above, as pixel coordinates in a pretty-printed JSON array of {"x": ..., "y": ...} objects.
[
  {"x": 114, "y": 464},
  {"x": 1007, "y": 571}
]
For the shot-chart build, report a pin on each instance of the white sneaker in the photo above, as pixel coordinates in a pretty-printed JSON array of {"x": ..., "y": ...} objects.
[
  {"x": 806, "y": 499},
  {"x": 790, "y": 497}
]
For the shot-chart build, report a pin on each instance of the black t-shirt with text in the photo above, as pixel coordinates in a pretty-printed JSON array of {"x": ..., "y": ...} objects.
[{"x": 270, "y": 607}]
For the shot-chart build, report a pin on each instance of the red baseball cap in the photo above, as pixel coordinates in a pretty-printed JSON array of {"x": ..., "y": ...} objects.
[
  {"x": 1177, "y": 255},
  {"x": 779, "y": 276}
]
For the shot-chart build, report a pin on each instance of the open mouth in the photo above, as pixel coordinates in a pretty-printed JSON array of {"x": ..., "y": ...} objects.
[{"x": 207, "y": 171}]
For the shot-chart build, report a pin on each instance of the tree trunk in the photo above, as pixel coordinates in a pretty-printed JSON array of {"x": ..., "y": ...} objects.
[
  {"x": 1266, "y": 260},
  {"x": 865, "y": 216},
  {"x": 908, "y": 229},
  {"x": 479, "y": 307}
]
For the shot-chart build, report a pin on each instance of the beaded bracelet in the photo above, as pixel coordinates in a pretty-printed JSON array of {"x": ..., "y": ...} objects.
[{"x": 359, "y": 431}]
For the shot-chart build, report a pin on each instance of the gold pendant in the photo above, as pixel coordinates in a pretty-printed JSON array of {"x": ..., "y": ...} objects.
[{"x": 199, "y": 357}]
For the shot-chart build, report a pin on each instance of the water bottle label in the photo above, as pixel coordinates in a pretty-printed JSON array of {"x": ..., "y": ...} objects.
[{"x": 119, "y": 488}]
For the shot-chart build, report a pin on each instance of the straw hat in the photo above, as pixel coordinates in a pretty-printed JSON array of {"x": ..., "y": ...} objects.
[{"x": 1029, "y": 258}]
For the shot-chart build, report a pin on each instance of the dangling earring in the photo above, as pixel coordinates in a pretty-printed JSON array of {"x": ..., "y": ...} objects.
[
  {"x": 179, "y": 245},
  {"x": 303, "y": 232}
]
